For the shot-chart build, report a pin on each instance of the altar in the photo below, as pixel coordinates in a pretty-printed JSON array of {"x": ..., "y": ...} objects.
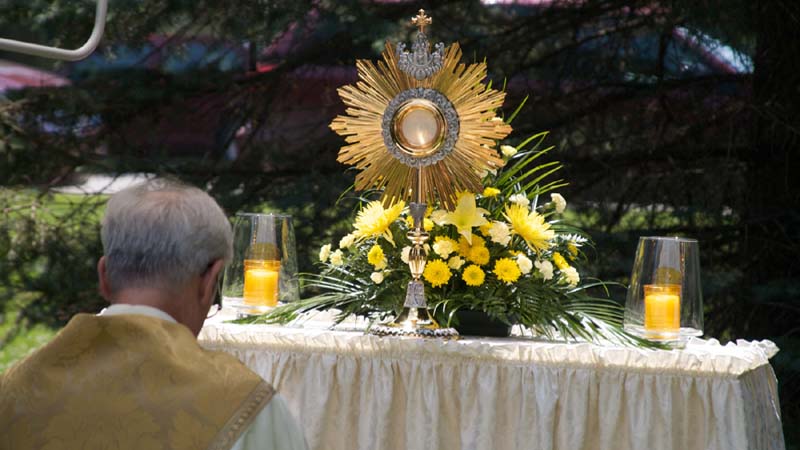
[{"x": 349, "y": 390}]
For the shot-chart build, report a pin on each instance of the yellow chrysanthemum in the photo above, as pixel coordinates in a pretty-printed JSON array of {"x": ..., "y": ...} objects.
[
  {"x": 409, "y": 221},
  {"x": 374, "y": 220},
  {"x": 507, "y": 270},
  {"x": 484, "y": 229},
  {"x": 427, "y": 224},
  {"x": 479, "y": 255},
  {"x": 455, "y": 262},
  {"x": 446, "y": 238},
  {"x": 573, "y": 250},
  {"x": 530, "y": 226},
  {"x": 437, "y": 273},
  {"x": 473, "y": 275},
  {"x": 464, "y": 247},
  {"x": 559, "y": 260},
  {"x": 490, "y": 192},
  {"x": 376, "y": 257}
]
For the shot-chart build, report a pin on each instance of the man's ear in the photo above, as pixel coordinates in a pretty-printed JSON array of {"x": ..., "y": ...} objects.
[
  {"x": 102, "y": 277},
  {"x": 208, "y": 282}
]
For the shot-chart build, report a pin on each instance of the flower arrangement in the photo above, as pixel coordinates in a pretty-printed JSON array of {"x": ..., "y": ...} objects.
[{"x": 505, "y": 251}]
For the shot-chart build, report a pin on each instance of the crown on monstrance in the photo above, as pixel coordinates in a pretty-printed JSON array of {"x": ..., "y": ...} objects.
[{"x": 420, "y": 63}]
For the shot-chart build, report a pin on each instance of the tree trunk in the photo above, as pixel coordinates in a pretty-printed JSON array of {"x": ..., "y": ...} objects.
[{"x": 771, "y": 211}]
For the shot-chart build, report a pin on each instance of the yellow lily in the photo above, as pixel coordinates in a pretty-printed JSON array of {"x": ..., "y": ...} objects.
[{"x": 466, "y": 216}]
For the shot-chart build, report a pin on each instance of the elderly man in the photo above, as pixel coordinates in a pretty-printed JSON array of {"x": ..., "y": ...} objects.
[{"x": 134, "y": 376}]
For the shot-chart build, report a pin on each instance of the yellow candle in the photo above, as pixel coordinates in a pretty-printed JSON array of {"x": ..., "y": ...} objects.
[
  {"x": 662, "y": 309},
  {"x": 261, "y": 282}
]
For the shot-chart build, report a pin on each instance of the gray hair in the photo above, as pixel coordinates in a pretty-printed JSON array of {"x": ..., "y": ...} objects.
[{"x": 161, "y": 233}]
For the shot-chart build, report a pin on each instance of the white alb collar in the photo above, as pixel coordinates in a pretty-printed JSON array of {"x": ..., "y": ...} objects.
[{"x": 142, "y": 310}]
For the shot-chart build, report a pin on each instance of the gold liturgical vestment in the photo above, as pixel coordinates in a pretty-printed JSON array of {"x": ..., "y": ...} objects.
[{"x": 127, "y": 382}]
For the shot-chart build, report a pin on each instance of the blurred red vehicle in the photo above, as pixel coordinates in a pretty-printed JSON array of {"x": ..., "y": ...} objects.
[{"x": 15, "y": 76}]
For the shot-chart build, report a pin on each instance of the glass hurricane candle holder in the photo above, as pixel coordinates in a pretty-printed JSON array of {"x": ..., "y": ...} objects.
[
  {"x": 263, "y": 270},
  {"x": 665, "y": 298}
]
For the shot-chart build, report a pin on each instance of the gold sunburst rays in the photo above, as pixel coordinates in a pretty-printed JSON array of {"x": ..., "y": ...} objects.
[{"x": 460, "y": 164}]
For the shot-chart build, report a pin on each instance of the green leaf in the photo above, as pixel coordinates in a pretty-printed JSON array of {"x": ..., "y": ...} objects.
[
  {"x": 536, "y": 180},
  {"x": 510, "y": 171},
  {"x": 516, "y": 111}
]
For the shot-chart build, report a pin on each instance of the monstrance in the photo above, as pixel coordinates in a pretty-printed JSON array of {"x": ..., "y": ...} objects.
[{"x": 421, "y": 126}]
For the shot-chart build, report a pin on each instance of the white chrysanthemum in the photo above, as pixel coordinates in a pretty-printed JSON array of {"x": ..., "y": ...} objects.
[
  {"x": 444, "y": 247},
  {"x": 324, "y": 252},
  {"x": 570, "y": 275},
  {"x": 519, "y": 199},
  {"x": 404, "y": 254},
  {"x": 376, "y": 277},
  {"x": 347, "y": 241},
  {"x": 559, "y": 202},
  {"x": 455, "y": 263},
  {"x": 337, "y": 258},
  {"x": 524, "y": 263},
  {"x": 508, "y": 151},
  {"x": 500, "y": 233},
  {"x": 545, "y": 268}
]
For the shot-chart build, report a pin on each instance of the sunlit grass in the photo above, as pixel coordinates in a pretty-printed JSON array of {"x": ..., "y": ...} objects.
[
  {"x": 50, "y": 213},
  {"x": 23, "y": 343},
  {"x": 53, "y": 207}
]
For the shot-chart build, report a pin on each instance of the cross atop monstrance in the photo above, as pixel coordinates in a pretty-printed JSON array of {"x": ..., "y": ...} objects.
[{"x": 421, "y": 20}]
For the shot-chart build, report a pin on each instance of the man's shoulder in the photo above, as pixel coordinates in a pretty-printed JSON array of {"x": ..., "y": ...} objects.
[
  {"x": 124, "y": 343},
  {"x": 105, "y": 366},
  {"x": 176, "y": 350},
  {"x": 46, "y": 352}
]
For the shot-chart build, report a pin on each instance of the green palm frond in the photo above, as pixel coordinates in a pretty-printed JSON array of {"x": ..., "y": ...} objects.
[
  {"x": 525, "y": 174},
  {"x": 342, "y": 292},
  {"x": 519, "y": 107},
  {"x": 526, "y": 158},
  {"x": 574, "y": 315}
]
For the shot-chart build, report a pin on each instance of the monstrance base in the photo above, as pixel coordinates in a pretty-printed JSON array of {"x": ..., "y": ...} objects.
[
  {"x": 414, "y": 322},
  {"x": 389, "y": 330}
]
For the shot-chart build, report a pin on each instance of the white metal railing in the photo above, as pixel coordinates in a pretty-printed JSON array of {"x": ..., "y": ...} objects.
[{"x": 60, "y": 53}]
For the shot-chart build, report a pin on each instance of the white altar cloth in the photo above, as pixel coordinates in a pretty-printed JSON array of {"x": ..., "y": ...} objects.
[{"x": 354, "y": 391}]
